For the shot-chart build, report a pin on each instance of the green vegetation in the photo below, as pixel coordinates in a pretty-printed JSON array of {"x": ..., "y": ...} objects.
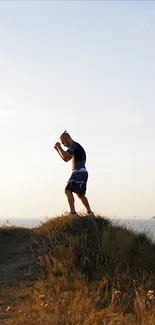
[{"x": 76, "y": 271}]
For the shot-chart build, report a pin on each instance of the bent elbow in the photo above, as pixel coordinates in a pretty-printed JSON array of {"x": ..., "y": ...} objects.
[{"x": 67, "y": 158}]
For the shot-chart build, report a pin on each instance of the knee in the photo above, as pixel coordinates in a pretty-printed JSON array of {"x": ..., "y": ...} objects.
[{"x": 80, "y": 196}]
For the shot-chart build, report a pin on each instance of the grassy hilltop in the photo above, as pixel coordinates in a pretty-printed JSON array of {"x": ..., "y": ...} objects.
[{"x": 85, "y": 271}]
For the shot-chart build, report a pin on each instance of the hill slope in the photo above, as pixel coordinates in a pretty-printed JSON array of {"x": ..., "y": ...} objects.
[{"x": 81, "y": 271}]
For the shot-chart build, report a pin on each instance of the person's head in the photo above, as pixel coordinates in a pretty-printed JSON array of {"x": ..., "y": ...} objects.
[{"x": 66, "y": 139}]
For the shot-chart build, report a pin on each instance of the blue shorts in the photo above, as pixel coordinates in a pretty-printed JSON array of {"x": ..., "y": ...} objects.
[{"x": 78, "y": 182}]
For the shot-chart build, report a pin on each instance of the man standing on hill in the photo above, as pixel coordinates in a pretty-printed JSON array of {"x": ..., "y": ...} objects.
[{"x": 78, "y": 180}]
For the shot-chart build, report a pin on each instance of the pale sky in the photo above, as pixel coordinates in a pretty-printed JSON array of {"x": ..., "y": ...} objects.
[{"x": 87, "y": 67}]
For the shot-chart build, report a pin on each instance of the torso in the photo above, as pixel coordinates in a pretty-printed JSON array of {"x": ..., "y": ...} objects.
[{"x": 78, "y": 156}]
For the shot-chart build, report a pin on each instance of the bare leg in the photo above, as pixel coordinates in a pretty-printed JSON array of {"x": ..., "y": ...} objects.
[
  {"x": 70, "y": 199},
  {"x": 85, "y": 202}
]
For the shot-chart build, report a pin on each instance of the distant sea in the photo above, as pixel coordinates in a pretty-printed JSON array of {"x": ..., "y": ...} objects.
[{"x": 146, "y": 226}]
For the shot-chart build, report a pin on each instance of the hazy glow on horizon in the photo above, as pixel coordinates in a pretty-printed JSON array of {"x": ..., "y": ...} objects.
[{"x": 85, "y": 67}]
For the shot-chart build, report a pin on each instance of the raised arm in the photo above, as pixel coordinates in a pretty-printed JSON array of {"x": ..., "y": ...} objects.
[{"x": 66, "y": 156}]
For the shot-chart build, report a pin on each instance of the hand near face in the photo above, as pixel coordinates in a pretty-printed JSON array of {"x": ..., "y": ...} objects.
[{"x": 57, "y": 146}]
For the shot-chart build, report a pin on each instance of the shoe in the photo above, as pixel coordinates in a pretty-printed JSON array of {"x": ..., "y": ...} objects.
[
  {"x": 90, "y": 214},
  {"x": 73, "y": 215}
]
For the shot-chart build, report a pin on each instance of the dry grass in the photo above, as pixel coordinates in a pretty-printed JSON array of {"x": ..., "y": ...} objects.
[{"x": 82, "y": 271}]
